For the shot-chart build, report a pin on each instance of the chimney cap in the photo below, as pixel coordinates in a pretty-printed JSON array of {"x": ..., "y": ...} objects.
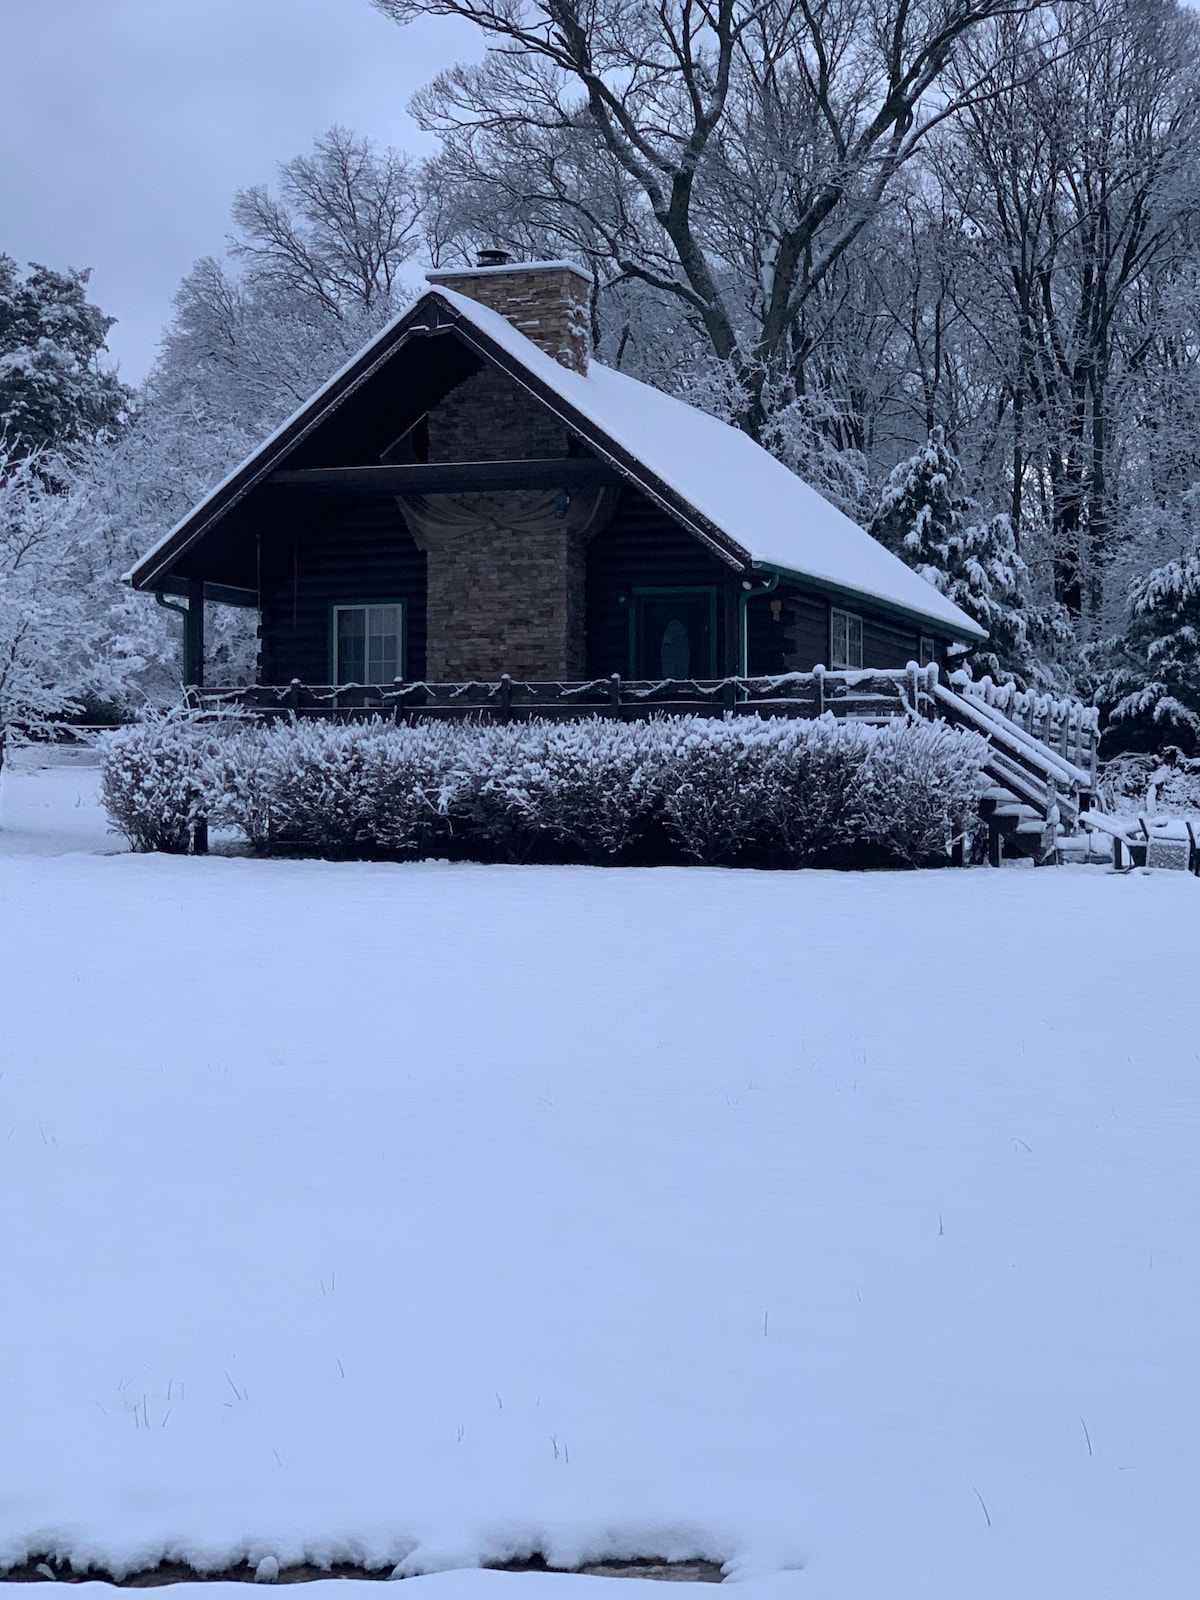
[{"x": 492, "y": 258}]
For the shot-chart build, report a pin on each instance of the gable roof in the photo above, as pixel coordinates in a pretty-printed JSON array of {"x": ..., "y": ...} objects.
[{"x": 728, "y": 490}]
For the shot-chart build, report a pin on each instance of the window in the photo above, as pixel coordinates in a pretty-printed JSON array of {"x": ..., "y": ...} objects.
[
  {"x": 845, "y": 645},
  {"x": 368, "y": 643},
  {"x": 928, "y": 653}
]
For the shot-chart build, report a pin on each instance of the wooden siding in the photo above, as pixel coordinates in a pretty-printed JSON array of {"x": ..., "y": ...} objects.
[
  {"x": 347, "y": 550},
  {"x": 329, "y": 551},
  {"x": 642, "y": 548},
  {"x": 888, "y": 640}
]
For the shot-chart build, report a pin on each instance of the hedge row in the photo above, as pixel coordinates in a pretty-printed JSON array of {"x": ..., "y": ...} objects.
[{"x": 786, "y": 793}]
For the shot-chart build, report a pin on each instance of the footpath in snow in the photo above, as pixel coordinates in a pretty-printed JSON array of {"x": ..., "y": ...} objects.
[{"x": 837, "y": 1227}]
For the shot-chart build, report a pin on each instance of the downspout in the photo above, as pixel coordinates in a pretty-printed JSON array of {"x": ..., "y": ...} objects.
[
  {"x": 160, "y": 599},
  {"x": 748, "y": 593}
]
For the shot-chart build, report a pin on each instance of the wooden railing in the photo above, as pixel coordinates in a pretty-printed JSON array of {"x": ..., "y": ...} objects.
[
  {"x": 870, "y": 695},
  {"x": 1065, "y": 726}
]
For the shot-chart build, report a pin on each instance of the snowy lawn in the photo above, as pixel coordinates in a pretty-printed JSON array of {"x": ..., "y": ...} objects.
[{"x": 842, "y": 1227}]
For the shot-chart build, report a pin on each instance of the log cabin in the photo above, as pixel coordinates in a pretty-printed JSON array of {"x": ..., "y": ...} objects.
[{"x": 474, "y": 495}]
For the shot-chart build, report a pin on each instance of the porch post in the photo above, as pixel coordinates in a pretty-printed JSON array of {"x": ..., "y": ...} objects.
[
  {"x": 193, "y": 651},
  {"x": 732, "y": 630}
]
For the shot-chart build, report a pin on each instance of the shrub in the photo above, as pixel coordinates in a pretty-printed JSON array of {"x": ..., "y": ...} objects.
[
  {"x": 345, "y": 789},
  {"x": 718, "y": 784},
  {"x": 153, "y": 779},
  {"x": 493, "y": 807},
  {"x": 813, "y": 770},
  {"x": 739, "y": 789},
  {"x": 917, "y": 789},
  {"x": 235, "y": 782},
  {"x": 595, "y": 786}
]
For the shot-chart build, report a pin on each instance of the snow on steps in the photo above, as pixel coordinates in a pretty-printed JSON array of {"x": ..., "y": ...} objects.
[{"x": 1038, "y": 792}]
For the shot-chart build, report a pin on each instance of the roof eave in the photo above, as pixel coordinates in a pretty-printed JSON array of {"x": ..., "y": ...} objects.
[
  {"x": 147, "y": 574},
  {"x": 968, "y": 634}
]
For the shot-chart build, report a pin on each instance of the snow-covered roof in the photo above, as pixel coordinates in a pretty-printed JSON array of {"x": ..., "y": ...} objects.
[
  {"x": 762, "y": 513},
  {"x": 739, "y": 488}
]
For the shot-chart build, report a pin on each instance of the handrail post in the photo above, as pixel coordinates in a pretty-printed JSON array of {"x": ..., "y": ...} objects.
[{"x": 505, "y": 697}]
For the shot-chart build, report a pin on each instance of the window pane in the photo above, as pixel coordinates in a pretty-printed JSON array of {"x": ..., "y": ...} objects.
[
  {"x": 854, "y": 640},
  {"x": 383, "y": 620},
  {"x": 383, "y": 658},
  {"x": 383, "y": 643},
  {"x": 846, "y": 639},
  {"x": 351, "y": 661},
  {"x": 838, "y": 642}
]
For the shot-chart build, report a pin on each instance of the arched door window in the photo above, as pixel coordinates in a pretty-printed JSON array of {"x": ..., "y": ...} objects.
[{"x": 673, "y": 633}]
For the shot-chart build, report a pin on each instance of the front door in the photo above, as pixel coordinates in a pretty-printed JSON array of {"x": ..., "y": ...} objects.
[{"x": 674, "y": 633}]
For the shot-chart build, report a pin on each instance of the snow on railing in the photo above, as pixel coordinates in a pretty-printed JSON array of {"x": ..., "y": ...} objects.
[
  {"x": 872, "y": 694},
  {"x": 1061, "y": 723}
]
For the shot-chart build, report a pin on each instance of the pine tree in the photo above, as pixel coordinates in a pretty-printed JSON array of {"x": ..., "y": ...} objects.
[
  {"x": 54, "y": 390},
  {"x": 920, "y": 511},
  {"x": 929, "y": 522},
  {"x": 1154, "y": 686}
]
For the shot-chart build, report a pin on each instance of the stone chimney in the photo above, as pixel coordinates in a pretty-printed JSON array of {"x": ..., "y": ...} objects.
[{"x": 546, "y": 300}]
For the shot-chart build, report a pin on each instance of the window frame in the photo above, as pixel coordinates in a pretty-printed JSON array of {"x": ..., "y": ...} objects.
[
  {"x": 927, "y": 651},
  {"x": 854, "y": 617},
  {"x": 338, "y": 606}
]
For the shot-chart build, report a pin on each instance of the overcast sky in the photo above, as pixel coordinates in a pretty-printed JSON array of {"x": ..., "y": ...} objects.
[{"x": 126, "y": 126}]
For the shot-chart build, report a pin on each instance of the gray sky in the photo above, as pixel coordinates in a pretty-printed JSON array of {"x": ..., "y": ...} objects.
[{"x": 126, "y": 125}]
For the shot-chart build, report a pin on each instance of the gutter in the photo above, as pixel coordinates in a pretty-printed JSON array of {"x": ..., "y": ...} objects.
[{"x": 838, "y": 591}]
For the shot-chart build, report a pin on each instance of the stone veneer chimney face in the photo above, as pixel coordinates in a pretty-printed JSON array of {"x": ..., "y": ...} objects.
[{"x": 546, "y": 300}]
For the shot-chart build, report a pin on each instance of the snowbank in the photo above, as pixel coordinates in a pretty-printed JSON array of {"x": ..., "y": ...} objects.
[{"x": 841, "y": 1227}]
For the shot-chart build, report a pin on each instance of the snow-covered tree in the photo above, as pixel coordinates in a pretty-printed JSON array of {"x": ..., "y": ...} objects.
[
  {"x": 1153, "y": 685},
  {"x": 929, "y": 522},
  {"x": 344, "y": 220},
  {"x": 313, "y": 272},
  {"x": 922, "y": 506},
  {"x": 55, "y": 390},
  {"x": 45, "y": 658},
  {"x": 731, "y": 154}
]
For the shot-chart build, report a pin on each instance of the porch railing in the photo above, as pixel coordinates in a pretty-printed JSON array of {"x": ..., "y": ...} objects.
[
  {"x": 870, "y": 695},
  {"x": 1065, "y": 726}
]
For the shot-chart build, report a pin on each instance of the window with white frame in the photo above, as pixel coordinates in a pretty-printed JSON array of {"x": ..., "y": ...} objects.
[
  {"x": 928, "y": 653},
  {"x": 845, "y": 642},
  {"x": 368, "y": 643}
]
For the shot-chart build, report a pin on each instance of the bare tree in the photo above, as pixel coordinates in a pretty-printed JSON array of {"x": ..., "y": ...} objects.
[
  {"x": 748, "y": 141},
  {"x": 1080, "y": 183},
  {"x": 345, "y": 220}
]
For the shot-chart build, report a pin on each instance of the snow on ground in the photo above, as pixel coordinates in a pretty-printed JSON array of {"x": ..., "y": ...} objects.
[
  {"x": 49, "y": 803},
  {"x": 841, "y": 1227}
]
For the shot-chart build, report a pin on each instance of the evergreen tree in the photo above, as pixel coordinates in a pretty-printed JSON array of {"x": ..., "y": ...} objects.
[
  {"x": 1154, "y": 683},
  {"x": 54, "y": 390},
  {"x": 927, "y": 520}
]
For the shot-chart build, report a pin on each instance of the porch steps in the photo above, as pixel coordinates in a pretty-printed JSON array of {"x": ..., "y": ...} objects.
[{"x": 1037, "y": 794}]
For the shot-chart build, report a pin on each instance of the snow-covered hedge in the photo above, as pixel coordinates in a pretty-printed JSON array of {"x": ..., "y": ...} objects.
[
  {"x": 785, "y": 793},
  {"x": 157, "y": 778}
]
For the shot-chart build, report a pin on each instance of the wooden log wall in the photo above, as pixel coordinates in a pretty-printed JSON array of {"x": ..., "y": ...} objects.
[{"x": 347, "y": 551}]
